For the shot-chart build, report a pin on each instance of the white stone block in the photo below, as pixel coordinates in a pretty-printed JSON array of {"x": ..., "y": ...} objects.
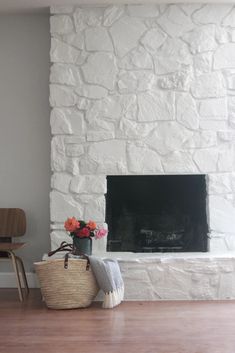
[
  {"x": 123, "y": 43},
  {"x": 138, "y": 58},
  {"x": 231, "y": 82},
  {"x": 100, "y": 69},
  {"x": 202, "y": 63},
  {"x": 57, "y": 237},
  {"x": 211, "y": 13},
  {"x": 226, "y": 159},
  {"x": 168, "y": 137},
  {"x": 108, "y": 154},
  {"x": 88, "y": 166},
  {"x": 75, "y": 39},
  {"x": 231, "y": 109},
  {"x": 226, "y": 135},
  {"x": 67, "y": 121},
  {"x": 87, "y": 16},
  {"x": 113, "y": 107},
  {"x": 232, "y": 35},
  {"x": 224, "y": 56},
  {"x": 179, "y": 81},
  {"x": 58, "y": 160},
  {"x": 172, "y": 56},
  {"x": 95, "y": 209},
  {"x": 186, "y": 111},
  {"x": 83, "y": 103},
  {"x": 221, "y": 215},
  {"x": 64, "y": 206},
  {"x": 201, "y": 139},
  {"x": 143, "y": 10},
  {"x": 58, "y": 163},
  {"x": 189, "y": 9},
  {"x": 61, "y": 182},
  {"x": 61, "y": 24},
  {"x": 230, "y": 242},
  {"x": 209, "y": 86},
  {"x": 137, "y": 289},
  {"x": 74, "y": 139},
  {"x": 89, "y": 184},
  {"x": 97, "y": 39},
  {"x": 175, "y": 22},
  {"x": 213, "y": 125},
  {"x": 175, "y": 283},
  {"x": 99, "y": 245},
  {"x": 221, "y": 35},
  {"x": 62, "y": 96},
  {"x": 201, "y": 39},
  {"x": 72, "y": 166},
  {"x": 128, "y": 129},
  {"x": 219, "y": 184},
  {"x": 59, "y": 123},
  {"x": 57, "y": 226},
  {"x": 65, "y": 74},
  {"x": 206, "y": 160},
  {"x": 90, "y": 91},
  {"x": 101, "y": 125},
  {"x": 214, "y": 109},
  {"x": 143, "y": 160},
  {"x": 179, "y": 162},
  {"x": 73, "y": 150},
  {"x": 229, "y": 20},
  {"x": 132, "y": 81},
  {"x": 153, "y": 39},
  {"x": 82, "y": 56},
  {"x": 100, "y": 135},
  {"x": 156, "y": 105},
  {"x": 62, "y": 52},
  {"x": 112, "y": 14}
]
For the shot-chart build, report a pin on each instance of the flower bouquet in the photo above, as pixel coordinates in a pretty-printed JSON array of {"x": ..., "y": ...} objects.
[{"x": 82, "y": 233}]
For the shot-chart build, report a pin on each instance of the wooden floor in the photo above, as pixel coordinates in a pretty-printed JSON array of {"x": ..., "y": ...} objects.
[{"x": 133, "y": 327}]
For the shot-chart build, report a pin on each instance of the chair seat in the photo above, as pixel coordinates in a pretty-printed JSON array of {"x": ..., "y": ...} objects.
[{"x": 11, "y": 246}]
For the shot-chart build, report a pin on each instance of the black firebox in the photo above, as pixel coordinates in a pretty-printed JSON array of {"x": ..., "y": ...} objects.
[{"x": 162, "y": 213}]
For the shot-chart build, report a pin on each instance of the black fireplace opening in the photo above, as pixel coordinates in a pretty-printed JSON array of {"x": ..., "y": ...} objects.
[{"x": 162, "y": 213}]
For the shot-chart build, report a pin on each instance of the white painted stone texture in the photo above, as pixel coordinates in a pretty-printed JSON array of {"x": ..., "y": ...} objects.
[{"x": 143, "y": 90}]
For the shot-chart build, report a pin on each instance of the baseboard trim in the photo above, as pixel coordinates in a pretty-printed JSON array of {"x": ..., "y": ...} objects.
[{"x": 8, "y": 280}]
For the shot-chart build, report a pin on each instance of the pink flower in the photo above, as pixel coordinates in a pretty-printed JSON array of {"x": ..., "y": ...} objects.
[{"x": 100, "y": 233}]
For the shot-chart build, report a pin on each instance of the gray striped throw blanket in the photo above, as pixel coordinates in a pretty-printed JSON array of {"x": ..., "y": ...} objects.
[{"x": 108, "y": 276}]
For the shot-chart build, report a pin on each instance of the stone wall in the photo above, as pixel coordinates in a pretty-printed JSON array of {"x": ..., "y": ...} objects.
[{"x": 142, "y": 90}]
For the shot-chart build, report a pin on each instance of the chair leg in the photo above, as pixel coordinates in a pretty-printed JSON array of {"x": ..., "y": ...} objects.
[
  {"x": 16, "y": 269},
  {"x": 18, "y": 259}
]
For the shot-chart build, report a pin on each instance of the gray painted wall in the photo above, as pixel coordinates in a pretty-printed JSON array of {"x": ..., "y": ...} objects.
[{"x": 24, "y": 126}]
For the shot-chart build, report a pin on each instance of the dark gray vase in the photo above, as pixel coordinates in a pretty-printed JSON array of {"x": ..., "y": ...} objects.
[{"x": 82, "y": 246}]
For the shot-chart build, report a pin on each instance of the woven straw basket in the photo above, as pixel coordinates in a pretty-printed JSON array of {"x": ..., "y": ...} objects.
[{"x": 66, "y": 288}]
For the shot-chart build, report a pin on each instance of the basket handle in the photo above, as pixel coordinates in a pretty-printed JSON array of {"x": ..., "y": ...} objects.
[
  {"x": 64, "y": 246},
  {"x": 83, "y": 256}
]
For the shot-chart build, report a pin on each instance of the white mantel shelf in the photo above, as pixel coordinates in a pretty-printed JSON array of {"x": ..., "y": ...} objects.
[{"x": 165, "y": 257}]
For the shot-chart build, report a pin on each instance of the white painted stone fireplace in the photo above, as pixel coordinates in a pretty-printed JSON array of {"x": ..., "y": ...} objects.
[{"x": 146, "y": 90}]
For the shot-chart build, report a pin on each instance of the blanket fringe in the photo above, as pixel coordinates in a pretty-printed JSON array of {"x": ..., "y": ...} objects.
[{"x": 114, "y": 298}]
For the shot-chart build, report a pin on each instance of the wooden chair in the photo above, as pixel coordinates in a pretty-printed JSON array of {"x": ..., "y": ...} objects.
[{"x": 13, "y": 224}]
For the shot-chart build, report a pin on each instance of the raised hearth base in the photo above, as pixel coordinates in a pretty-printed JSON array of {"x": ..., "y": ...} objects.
[{"x": 182, "y": 276}]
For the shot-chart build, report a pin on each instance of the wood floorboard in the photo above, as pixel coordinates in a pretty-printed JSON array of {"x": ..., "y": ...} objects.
[{"x": 132, "y": 327}]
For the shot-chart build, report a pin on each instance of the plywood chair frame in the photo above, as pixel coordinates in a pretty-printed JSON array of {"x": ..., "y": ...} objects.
[{"x": 13, "y": 224}]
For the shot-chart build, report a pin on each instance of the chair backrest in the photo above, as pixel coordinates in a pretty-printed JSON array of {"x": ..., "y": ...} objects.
[{"x": 12, "y": 222}]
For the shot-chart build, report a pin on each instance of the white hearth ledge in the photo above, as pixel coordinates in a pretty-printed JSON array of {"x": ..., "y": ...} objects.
[{"x": 177, "y": 276}]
